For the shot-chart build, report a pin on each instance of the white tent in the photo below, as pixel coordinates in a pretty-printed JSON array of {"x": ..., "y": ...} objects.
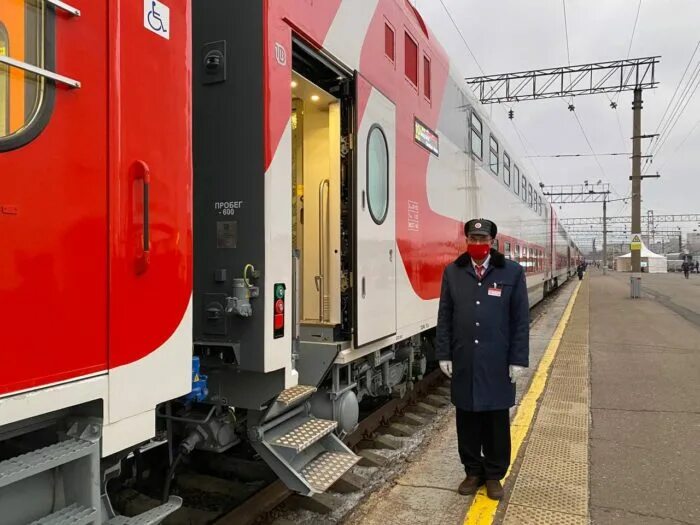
[{"x": 651, "y": 262}]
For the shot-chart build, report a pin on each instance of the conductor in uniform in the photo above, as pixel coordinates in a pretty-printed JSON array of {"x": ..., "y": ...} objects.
[{"x": 482, "y": 344}]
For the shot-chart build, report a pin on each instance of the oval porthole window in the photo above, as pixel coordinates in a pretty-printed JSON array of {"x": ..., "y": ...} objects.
[{"x": 377, "y": 174}]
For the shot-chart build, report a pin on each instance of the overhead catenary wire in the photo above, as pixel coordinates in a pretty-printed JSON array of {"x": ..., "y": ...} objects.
[
  {"x": 688, "y": 95},
  {"x": 682, "y": 101},
  {"x": 663, "y": 122},
  {"x": 523, "y": 141},
  {"x": 634, "y": 28},
  {"x": 567, "y": 155},
  {"x": 566, "y": 33},
  {"x": 585, "y": 136},
  {"x": 466, "y": 44},
  {"x": 461, "y": 35},
  {"x": 634, "y": 31},
  {"x": 678, "y": 86}
]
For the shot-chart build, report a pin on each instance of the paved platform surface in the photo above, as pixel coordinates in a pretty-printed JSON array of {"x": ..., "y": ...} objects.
[
  {"x": 426, "y": 493},
  {"x": 615, "y": 435},
  {"x": 645, "y": 406}
]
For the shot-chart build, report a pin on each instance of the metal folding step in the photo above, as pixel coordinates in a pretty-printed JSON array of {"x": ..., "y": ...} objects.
[
  {"x": 288, "y": 399},
  {"x": 305, "y": 435},
  {"x": 62, "y": 480},
  {"x": 27, "y": 465},
  {"x": 72, "y": 515},
  {"x": 293, "y": 395},
  {"x": 151, "y": 517},
  {"x": 302, "y": 450},
  {"x": 327, "y": 468}
]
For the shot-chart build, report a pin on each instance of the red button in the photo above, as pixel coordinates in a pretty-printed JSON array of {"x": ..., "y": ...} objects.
[
  {"x": 279, "y": 306},
  {"x": 279, "y": 321}
]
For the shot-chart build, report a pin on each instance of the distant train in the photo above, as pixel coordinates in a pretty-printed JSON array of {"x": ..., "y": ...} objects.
[{"x": 226, "y": 222}]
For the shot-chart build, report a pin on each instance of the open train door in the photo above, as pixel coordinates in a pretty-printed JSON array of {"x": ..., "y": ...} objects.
[{"x": 375, "y": 217}]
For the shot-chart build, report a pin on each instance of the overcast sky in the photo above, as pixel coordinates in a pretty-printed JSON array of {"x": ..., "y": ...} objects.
[{"x": 515, "y": 35}]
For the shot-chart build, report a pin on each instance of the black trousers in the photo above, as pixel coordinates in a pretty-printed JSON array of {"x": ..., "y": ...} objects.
[{"x": 487, "y": 431}]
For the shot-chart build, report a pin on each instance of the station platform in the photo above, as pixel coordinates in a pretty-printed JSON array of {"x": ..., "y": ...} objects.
[{"x": 606, "y": 429}]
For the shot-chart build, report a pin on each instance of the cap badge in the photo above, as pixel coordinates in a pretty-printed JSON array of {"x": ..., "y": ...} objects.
[{"x": 477, "y": 225}]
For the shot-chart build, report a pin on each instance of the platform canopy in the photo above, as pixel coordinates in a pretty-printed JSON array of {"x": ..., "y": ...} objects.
[{"x": 651, "y": 262}]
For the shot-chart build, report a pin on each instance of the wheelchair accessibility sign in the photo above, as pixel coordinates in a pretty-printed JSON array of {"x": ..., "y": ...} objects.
[{"x": 156, "y": 18}]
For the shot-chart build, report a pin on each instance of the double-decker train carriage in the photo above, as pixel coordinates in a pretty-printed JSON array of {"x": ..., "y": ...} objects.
[
  {"x": 348, "y": 124},
  {"x": 225, "y": 222}
]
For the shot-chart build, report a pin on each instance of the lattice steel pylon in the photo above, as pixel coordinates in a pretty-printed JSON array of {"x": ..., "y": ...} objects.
[
  {"x": 634, "y": 74},
  {"x": 580, "y": 193},
  {"x": 576, "y": 193},
  {"x": 584, "y": 79},
  {"x": 658, "y": 219}
]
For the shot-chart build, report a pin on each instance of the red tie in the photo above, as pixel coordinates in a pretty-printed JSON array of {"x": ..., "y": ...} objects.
[{"x": 480, "y": 271}]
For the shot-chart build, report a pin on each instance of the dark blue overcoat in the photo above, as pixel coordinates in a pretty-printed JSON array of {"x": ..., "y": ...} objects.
[{"x": 481, "y": 332}]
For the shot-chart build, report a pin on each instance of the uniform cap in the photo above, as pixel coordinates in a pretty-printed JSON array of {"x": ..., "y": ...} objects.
[{"x": 480, "y": 227}]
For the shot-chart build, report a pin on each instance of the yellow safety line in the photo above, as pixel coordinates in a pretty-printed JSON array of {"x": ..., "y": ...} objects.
[{"x": 483, "y": 509}]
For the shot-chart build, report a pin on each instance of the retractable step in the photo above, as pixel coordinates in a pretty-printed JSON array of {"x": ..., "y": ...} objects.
[
  {"x": 305, "y": 435},
  {"x": 72, "y": 515},
  {"x": 292, "y": 396},
  {"x": 69, "y": 470},
  {"x": 27, "y": 465},
  {"x": 151, "y": 517},
  {"x": 303, "y": 450},
  {"x": 288, "y": 399},
  {"x": 327, "y": 468}
]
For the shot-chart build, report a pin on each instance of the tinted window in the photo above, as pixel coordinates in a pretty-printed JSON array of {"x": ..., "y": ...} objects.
[
  {"x": 477, "y": 147},
  {"x": 377, "y": 175},
  {"x": 389, "y": 42},
  {"x": 21, "y": 93},
  {"x": 506, "y": 169},
  {"x": 411, "y": 59},
  {"x": 493, "y": 155},
  {"x": 426, "y": 77}
]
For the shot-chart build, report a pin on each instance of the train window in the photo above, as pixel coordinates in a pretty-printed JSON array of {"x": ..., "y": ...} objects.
[
  {"x": 377, "y": 174},
  {"x": 506, "y": 169},
  {"x": 530, "y": 196},
  {"x": 477, "y": 147},
  {"x": 523, "y": 188},
  {"x": 389, "y": 42},
  {"x": 517, "y": 253},
  {"x": 4, "y": 83},
  {"x": 411, "y": 59},
  {"x": 493, "y": 155},
  {"x": 25, "y": 98},
  {"x": 516, "y": 182},
  {"x": 426, "y": 77},
  {"x": 506, "y": 250}
]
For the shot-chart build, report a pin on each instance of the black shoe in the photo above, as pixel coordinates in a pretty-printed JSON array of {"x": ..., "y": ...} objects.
[
  {"x": 494, "y": 489},
  {"x": 470, "y": 485}
]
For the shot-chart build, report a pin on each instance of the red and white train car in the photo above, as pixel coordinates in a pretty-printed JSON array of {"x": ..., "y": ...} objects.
[
  {"x": 95, "y": 241},
  {"x": 337, "y": 155},
  {"x": 271, "y": 186}
]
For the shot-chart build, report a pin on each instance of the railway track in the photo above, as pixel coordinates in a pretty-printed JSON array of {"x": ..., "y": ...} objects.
[
  {"x": 376, "y": 431},
  {"x": 213, "y": 488}
]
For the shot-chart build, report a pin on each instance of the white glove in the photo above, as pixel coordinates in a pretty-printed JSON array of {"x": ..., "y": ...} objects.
[
  {"x": 514, "y": 372},
  {"x": 446, "y": 367}
]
